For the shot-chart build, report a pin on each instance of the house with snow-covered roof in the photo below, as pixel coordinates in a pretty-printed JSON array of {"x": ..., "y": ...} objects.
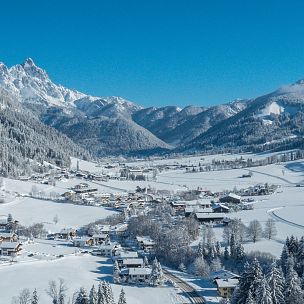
[
  {"x": 225, "y": 287},
  {"x": 135, "y": 262},
  {"x": 10, "y": 248},
  {"x": 231, "y": 198}
]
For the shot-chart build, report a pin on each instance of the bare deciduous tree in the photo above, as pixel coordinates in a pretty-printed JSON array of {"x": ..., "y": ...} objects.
[
  {"x": 255, "y": 230},
  {"x": 270, "y": 230}
]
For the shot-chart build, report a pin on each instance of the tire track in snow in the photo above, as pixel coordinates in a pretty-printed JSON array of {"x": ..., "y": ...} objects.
[{"x": 282, "y": 220}]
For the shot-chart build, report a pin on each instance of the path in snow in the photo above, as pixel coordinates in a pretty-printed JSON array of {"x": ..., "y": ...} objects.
[
  {"x": 278, "y": 218},
  {"x": 274, "y": 176}
]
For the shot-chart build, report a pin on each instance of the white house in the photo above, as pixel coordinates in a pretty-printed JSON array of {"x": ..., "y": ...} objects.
[{"x": 137, "y": 275}]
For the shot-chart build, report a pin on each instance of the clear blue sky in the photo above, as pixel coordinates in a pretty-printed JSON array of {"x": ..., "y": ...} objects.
[{"x": 159, "y": 52}]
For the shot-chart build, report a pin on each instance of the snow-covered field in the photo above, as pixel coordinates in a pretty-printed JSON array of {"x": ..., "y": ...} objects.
[
  {"x": 286, "y": 206},
  {"x": 77, "y": 271},
  {"x": 29, "y": 211}
]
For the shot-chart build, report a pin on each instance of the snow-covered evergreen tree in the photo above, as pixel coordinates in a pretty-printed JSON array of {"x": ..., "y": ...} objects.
[
  {"x": 249, "y": 280},
  {"x": 293, "y": 290},
  {"x": 160, "y": 274},
  {"x": 82, "y": 297},
  {"x": 215, "y": 264},
  {"x": 263, "y": 294},
  {"x": 156, "y": 276},
  {"x": 275, "y": 281},
  {"x": 182, "y": 267},
  {"x": 122, "y": 297},
  {"x": 35, "y": 297},
  {"x": 93, "y": 296},
  {"x": 100, "y": 294},
  {"x": 116, "y": 272},
  {"x": 284, "y": 258},
  {"x": 146, "y": 262},
  {"x": 250, "y": 299},
  {"x": 108, "y": 293},
  {"x": 200, "y": 267}
]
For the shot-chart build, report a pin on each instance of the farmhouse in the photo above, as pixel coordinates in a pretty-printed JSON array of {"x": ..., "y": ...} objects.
[
  {"x": 196, "y": 209},
  {"x": 178, "y": 206},
  {"x": 82, "y": 242},
  {"x": 10, "y": 248},
  {"x": 139, "y": 275},
  {"x": 66, "y": 233},
  {"x": 145, "y": 243},
  {"x": 100, "y": 238},
  {"x": 231, "y": 198},
  {"x": 4, "y": 223},
  {"x": 8, "y": 237},
  {"x": 209, "y": 217},
  {"x": 128, "y": 263},
  {"x": 107, "y": 250},
  {"x": 225, "y": 287},
  {"x": 123, "y": 255},
  {"x": 220, "y": 208}
]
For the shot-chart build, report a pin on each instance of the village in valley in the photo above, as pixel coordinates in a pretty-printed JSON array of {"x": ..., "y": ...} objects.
[{"x": 163, "y": 230}]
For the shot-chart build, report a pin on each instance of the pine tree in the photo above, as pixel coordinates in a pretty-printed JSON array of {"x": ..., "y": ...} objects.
[
  {"x": 93, "y": 296},
  {"x": 218, "y": 248},
  {"x": 284, "y": 258},
  {"x": 215, "y": 264},
  {"x": 160, "y": 278},
  {"x": 108, "y": 294},
  {"x": 200, "y": 267},
  {"x": 116, "y": 272},
  {"x": 154, "y": 273},
  {"x": 250, "y": 299},
  {"x": 34, "y": 297},
  {"x": 293, "y": 291},
  {"x": 82, "y": 297},
  {"x": 182, "y": 267},
  {"x": 276, "y": 283},
  {"x": 122, "y": 297},
  {"x": 239, "y": 252},
  {"x": 249, "y": 280},
  {"x": 226, "y": 253},
  {"x": 146, "y": 262},
  {"x": 200, "y": 250},
  {"x": 300, "y": 258},
  {"x": 100, "y": 294},
  {"x": 263, "y": 295},
  {"x": 232, "y": 247}
]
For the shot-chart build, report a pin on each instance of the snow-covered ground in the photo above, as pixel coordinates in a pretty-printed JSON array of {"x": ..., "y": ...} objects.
[
  {"x": 80, "y": 270},
  {"x": 29, "y": 211},
  {"x": 286, "y": 206}
]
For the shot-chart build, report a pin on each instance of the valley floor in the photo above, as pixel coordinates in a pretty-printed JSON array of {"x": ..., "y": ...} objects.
[{"x": 286, "y": 206}]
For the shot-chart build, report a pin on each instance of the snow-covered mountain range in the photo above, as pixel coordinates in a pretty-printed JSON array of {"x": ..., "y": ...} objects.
[{"x": 113, "y": 125}]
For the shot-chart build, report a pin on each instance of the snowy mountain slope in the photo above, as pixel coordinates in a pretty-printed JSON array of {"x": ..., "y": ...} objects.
[
  {"x": 275, "y": 120},
  {"x": 26, "y": 141},
  {"x": 113, "y": 125},
  {"x": 68, "y": 110},
  {"x": 180, "y": 126},
  {"x": 29, "y": 83},
  {"x": 106, "y": 135},
  {"x": 160, "y": 121}
]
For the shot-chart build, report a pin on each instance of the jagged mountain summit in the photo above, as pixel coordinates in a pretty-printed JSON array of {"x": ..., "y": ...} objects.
[
  {"x": 105, "y": 122},
  {"x": 31, "y": 84},
  {"x": 114, "y": 126}
]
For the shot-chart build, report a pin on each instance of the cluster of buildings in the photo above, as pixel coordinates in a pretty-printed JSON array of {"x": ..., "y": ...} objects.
[{"x": 9, "y": 244}]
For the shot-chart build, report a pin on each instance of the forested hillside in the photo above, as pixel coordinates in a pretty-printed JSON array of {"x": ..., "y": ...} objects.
[{"x": 26, "y": 142}]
